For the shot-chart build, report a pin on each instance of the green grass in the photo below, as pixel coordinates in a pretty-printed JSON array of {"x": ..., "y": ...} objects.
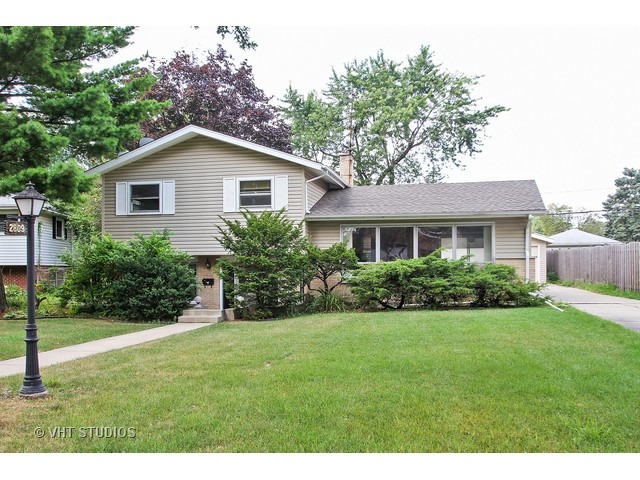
[
  {"x": 512, "y": 380},
  {"x": 61, "y": 332},
  {"x": 603, "y": 288}
]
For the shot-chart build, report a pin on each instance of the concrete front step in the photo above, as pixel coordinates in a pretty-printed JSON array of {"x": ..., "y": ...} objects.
[{"x": 200, "y": 315}]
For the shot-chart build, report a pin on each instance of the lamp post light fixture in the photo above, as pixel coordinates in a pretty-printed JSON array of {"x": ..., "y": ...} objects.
[{"x": 30, "y": 204}]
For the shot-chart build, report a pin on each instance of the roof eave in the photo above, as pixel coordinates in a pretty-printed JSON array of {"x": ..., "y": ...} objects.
[
  {"x": 430, "y": 216},
  {"x": 192, "y": 131}
]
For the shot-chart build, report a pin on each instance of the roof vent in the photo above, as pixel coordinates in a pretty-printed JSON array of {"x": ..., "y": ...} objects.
[{"x": 145, "y": 140}]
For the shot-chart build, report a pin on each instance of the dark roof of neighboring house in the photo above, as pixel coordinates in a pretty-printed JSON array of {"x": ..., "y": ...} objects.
[
  {"x": 578, "y": 238},
  {"x": 431, "y": 200}
]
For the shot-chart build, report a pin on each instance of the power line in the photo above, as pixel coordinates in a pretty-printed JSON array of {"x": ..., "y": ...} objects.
[{"x": 581, "y": 190}]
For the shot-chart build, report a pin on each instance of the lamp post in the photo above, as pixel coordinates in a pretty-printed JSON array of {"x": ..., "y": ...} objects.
[{"x": 30, "y": 204}]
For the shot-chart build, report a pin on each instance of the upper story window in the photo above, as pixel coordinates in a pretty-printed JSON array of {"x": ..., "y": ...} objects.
[
  {"x": 144, "y": 197},
  {"x": 254, "y": 193},
  {"x": 58, "y": 227},
  {"x": 140, "y": 198}
]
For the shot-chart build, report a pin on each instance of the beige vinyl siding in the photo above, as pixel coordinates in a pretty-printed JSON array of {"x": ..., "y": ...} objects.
[
  {"x": 510, "y": 238},
  {"x": 316, "y": 189},
  {"x": 539, "y": 256},
  {"x": 198, "y": 167},
  {"x": 519, "y": 264},
  {"x": 323, "y": 234}
]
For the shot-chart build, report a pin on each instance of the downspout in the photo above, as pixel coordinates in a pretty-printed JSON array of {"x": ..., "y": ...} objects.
[{"x": 527, "y": 246}]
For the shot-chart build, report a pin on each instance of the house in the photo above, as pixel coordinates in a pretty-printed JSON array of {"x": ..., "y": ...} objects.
[
  {"x": 539, "y": 245},
  {"x": 51, "y": 241},
  {"x": 579, "y": 238},
  {"x": 188, "y": 180}
]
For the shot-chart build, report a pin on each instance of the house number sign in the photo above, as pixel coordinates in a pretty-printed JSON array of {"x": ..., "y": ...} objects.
[{"x": 13, "y": 227}]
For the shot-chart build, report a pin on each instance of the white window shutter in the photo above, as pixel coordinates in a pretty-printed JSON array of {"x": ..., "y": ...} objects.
[
  {"x": 169, "y": 197},
  {"x": 281, "y": 192},
  {"x": 229, "y": 194},
  {"x": 121, "y": 198}
]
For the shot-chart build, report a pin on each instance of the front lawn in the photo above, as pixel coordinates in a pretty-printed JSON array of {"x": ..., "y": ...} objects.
[
  {"x": 603, "y": 289},
  {"x": 511, "y": 380},
  {"x": 61, "y": 332}
]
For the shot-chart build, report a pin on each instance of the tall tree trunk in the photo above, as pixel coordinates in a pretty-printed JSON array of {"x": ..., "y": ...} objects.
[{"x": 3, "y": 296}]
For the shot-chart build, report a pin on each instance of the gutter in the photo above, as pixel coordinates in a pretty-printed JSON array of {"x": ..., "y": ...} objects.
[
  {"x": 337, "y": 179},
  {"x": 419, "y": 217},
  {"x": 327, "y": 172}
]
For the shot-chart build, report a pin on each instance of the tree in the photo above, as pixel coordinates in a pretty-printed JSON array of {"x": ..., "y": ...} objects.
[
  {"x": 240, "y": 34},
  {"x": 622, "y": 208},
  {"x": 266, "y": 270},
  {"x": 216, "y": 95},
  {"x": 560, "y": 218},
  {"x": 54, "y": 106},
  {"x": 329, "y": 265},
  {"x": 592, "y": 223},
  {"x": 3, "y": 296},
  {"x": 56, "y": 111},
  {"x": 85, "y": 215},
  {"x": 557, "y": 219},
  {"x": 402, "y": 123}
]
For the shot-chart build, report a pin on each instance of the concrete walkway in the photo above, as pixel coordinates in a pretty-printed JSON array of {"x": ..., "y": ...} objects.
[
  {"x": 17, "y": 365},
  {"x": 624, "y": 311}
]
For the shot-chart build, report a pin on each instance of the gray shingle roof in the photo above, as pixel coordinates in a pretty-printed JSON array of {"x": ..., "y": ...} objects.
[
  {"x": 575, "y": 238},
  {"x": 431, "y": 199}
]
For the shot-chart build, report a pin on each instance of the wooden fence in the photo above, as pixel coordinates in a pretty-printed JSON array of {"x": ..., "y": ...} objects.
[{"x": 618, "y": 264}]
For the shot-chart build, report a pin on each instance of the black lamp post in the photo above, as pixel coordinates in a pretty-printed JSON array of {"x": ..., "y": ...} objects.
[{"x": 30, "y": 204}]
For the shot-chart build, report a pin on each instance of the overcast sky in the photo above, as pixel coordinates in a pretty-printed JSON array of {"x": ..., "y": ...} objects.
[
  {"x": 574, "y": 101},
  {"x": 570, "y": 82}
]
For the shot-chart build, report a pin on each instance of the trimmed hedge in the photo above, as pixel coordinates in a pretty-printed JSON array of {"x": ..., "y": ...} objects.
[{"x": 435, "y": 282}]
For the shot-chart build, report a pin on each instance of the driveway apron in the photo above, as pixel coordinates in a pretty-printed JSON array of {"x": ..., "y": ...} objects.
[{"x": 623, "y": 311}]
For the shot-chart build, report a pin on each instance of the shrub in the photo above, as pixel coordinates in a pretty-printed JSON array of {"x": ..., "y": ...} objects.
[
  {"x": 16, "y": 297},
  {"x": 496, "y": 285},
  {"x": 436, "y": 282},
  {"x": 444, "y": 282},
  {"x": 386, "y": 284},
  {"x": 142, "y": 280},
  {"x": 268, "y": 265},
  {"x": 51, "y": 306},
  {"x": 328, "y": 302},
  {"x": 92, "y": 271},
  {"x": 328, "y": 267}
]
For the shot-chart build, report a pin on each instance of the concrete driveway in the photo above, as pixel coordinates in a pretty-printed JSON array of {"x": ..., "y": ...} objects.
[{"x": 624, "y": 311}]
